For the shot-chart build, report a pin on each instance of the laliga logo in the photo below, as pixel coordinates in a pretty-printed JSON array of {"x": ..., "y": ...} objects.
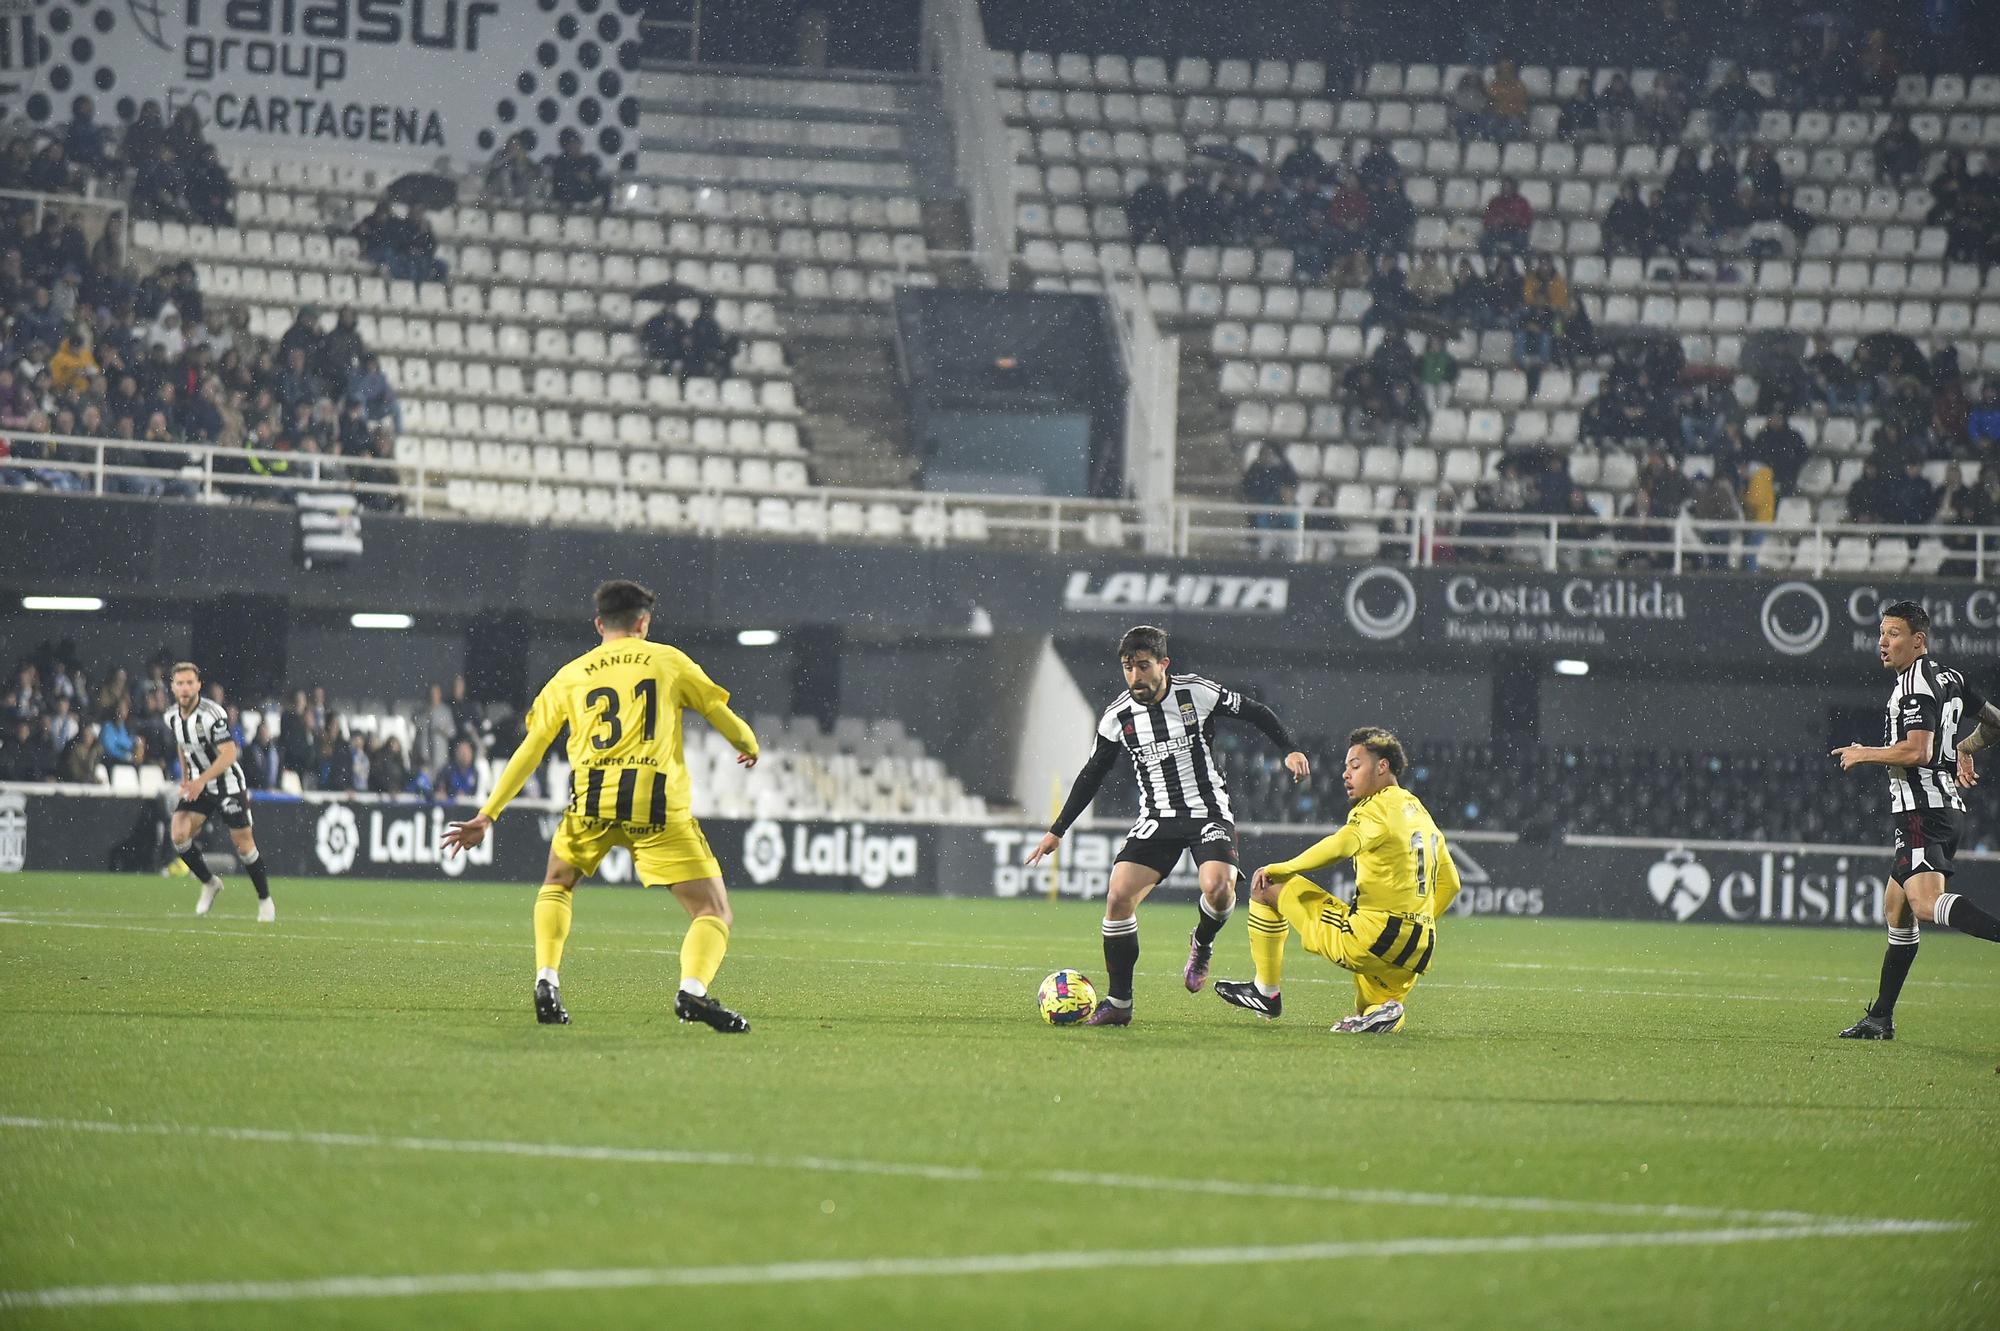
[
  {"x": 1382, "y": 625},
  {"x": 339, "y": 839},
  {"x": 763, "y": 851},
  {"x": 1780, "y": 604},
  {"x": 1679, "y": 883}
]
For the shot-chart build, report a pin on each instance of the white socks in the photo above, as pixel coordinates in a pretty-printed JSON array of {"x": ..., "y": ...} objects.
[
  {"x": 548, "y": 973},
  {"x": 695, "y": 987},
  {"x": 1942, "y": 912},
  {"x": 1268, "y": 993}
]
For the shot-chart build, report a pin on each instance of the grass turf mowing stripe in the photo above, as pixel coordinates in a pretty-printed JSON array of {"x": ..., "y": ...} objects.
[
  {"x": 940, "y": 1173},
  {"x": 886, "y": 1268}
]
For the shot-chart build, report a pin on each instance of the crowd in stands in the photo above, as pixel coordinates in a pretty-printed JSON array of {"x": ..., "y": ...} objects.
[
  {"x": 92, "y": 348},
  {"x": 571, "y": 178},
  {"x": 61, "y": 722},
  {"x": 1724, "y": 207}
]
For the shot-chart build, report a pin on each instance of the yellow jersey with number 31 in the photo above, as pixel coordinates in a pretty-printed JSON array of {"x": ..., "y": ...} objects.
[
  {"x": 1401, "y": 864},
  {"x": 622, "y": 702}
]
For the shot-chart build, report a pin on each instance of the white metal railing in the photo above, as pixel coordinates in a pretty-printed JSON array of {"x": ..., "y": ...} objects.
[
  {"x": 954, "y": 52},
  {"x": 1152, "y": 404},
  {"x": 1190, "y": 528}
]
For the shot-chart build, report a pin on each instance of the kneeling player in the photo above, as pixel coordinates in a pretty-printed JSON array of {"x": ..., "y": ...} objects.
[
  {"x": 1404, "y": 881},
  {"x": 622, "y": 702}
]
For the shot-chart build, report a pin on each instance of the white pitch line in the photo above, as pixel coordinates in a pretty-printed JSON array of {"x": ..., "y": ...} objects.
[
  {"x": 892, "y": 1268},
  {"x": 224, "y": 931},
  {"x": 643, "y": 1155}
]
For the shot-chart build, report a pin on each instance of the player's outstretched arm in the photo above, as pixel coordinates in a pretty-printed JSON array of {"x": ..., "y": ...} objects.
[
  {"x": 1913, "y": 750},
  {"x": 1081, "y": 792},
  {"x": 1266, "y": 720},
  {"x": 544, "y": 724},
  {"x": 1342, "y": 845}
]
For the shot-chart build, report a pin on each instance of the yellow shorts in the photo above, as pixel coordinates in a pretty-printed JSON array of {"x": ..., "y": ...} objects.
[
  {"x": 1392, "y": 950},
  {"x": 661, "y": 856}
]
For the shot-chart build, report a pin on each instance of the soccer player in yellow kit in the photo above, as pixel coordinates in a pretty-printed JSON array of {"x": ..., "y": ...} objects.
[
  {"x": 1404, "y": 881},
  {"x": 629, "y": 786}
]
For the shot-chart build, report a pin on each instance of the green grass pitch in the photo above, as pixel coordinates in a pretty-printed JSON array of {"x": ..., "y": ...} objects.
[{"x": 351, "y": 1120}]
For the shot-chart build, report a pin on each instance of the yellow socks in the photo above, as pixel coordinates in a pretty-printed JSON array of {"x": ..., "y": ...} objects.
[
  {"x": 702, "y": 951},
  {"x": 552, "y": 907},
  {"x": 1267, "y": 945}
]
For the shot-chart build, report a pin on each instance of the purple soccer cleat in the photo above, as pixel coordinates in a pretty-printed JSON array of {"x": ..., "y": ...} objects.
[
  {"x": 1106, "y": 1013},
  {"x": 1195, "y": 974}
]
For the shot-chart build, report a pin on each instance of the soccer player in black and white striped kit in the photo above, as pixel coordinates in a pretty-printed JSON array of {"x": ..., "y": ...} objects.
[
  {"x": 1165, "y": 722},
  {"x": 212, "y": 786},
  {"x": 1929, "y": 756}
]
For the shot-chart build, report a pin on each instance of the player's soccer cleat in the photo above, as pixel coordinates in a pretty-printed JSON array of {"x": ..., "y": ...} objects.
[
  {"x": 549, "y": 1010},
  {"x": 267, "y": 911},
  {"x": 1244, "y": 994},
  {"x": 1195, "y": 974},
  {"x": 210, "y": 890},
  {"x": 1381, "y": 1019},
  {"x": 1871, "y": 1027},
  {"x": 1107, "y": 1013},
  {"x": 702, "y": 1008}
]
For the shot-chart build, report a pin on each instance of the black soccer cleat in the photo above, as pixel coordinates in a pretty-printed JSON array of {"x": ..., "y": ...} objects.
[
  {"x": 1871, "y": 1027},
  {"x": 689, "y": 1007},
  {"x": 1244, "y": 994},
  {"x": 548, "y": 1005}
]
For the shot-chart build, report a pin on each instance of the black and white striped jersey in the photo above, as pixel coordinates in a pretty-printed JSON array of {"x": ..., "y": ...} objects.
[
  {"x": 1170, "y": 745},
  {"x": 200, "y": 735},
  {"x": 1930, "y": 697}
]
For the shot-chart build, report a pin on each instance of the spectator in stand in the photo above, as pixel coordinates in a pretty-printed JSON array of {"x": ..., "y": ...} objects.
[
  {"x": 1628, "y": 224},
  {"x": 340, "y": 351},
  {"x": 1471, "y": 109},
  {"x": 1197, "y": 215},
  {"x": 1617, "y": 108},
  {"x": 81, "y": 756},
  {"x": 1303, "y": 165},
  {"x": 1899, "y": 154},
  {"x": 1437, "y": 372},
  {"x": 1782, "y": 449},
  {"x": 1909, "y": 500},
  {"x": 1270, "y": 481},
  {"x": 1734, "y": 107},
  {"x": 1577, "y": 117},
  {"x": 1509, "y": 98},
  {"x": 388, "y": 771},
  {"x": 1391, "y": 219},
  {"x": 1833, "y": 384},
  {"x": 1877, "y": 68},
  {"x": 369, "y": 389},
  {"x": 1545, "y": 304},
  {"x": 1663, "y": 112},
  {"x": 1506, "y": 221},
  {"x": 26, "y": 756},
  {"x": 1389, "y": 295},
  {"x": 73, "y": 364},
  {"x": 1378, "y": 166},
  {"x": 710, "y": 350},
  {"x": 295, "y": 384},
  {"x": 1430, "y": 284},
  {"x": 210, "y": 195},
  {"x": 459, "y": 780},
  {"x": 576, "y": 178},
  {"x": 513, "y": 176},
  {"x": 432, "y": 730},
  {"x": 85, "y": 142},
  {"x": 115, "y": 734},
  {"x": 1348, "y": 213},
  {"x": 1715, "y": 500},
  {"x": 1149, "y": 211},
  {"x": 403, "y": 244},
  {"x": 466, "y": 713}
]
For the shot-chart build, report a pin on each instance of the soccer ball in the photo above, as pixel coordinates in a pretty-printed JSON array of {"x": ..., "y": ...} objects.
[{"x": 1066, "y": 998}]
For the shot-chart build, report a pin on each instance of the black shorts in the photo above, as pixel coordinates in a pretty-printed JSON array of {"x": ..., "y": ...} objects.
[
  {"x": 1157, "y": 843},
  {"x": 1926, "y": 839},
  {"x": 232, "y": 810}
]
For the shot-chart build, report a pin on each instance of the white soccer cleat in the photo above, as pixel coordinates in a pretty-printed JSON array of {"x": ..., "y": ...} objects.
[
  {"x": 210, "y": 890},
  {"x": 267, "y": 911}
]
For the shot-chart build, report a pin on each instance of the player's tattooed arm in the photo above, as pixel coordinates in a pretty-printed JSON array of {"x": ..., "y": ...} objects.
[{"x": 1986, "y": 733}]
